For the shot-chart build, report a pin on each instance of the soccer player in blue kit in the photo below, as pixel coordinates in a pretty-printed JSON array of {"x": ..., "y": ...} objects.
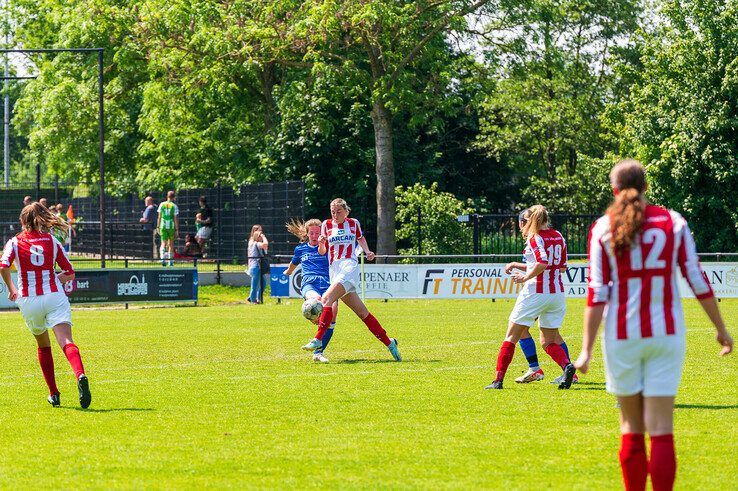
[{"x": 315, "y": 279}]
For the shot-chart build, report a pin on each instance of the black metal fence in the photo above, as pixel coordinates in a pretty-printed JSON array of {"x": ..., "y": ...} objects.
[{"x": 234, "y": 212}]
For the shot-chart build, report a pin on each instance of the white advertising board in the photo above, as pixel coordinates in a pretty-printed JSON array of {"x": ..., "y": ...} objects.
[{"x": 490, "y": 281}]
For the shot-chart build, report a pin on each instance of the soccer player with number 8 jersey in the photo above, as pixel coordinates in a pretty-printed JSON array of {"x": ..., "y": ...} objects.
[
  {"x": 542, "y": 296},
  {"x": 635, "y": 251},
  {"x": 40, "y": 295}
]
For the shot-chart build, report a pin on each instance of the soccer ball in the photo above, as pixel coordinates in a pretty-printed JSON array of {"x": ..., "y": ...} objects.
[{"x": 312, "y": 308}]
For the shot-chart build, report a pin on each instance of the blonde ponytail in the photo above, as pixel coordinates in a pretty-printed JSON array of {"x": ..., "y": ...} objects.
[
  {"x": 300, "y": 229},
  {"x": 536, "y": 220}
]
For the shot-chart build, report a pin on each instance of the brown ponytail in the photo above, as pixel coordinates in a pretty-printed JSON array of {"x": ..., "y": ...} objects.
[
  {"x": 36, "y": 217},
  {"x": 536, "y": 220},
  {"x": 626, "y": 213}
]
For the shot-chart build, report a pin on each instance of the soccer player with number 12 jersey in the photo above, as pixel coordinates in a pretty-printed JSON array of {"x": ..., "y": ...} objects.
[
  {"x": 40, "y": 295},
  {"x": 635, "y": 251}
]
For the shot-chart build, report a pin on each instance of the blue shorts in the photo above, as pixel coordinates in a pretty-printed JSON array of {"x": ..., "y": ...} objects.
[{"x": 319, "y": 287}]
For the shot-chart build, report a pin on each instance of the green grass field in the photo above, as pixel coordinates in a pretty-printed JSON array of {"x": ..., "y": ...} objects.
[{"x": 221, "y": 396}]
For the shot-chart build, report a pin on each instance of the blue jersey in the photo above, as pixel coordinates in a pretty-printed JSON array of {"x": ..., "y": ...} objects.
[{"x": 314, "y": 265}]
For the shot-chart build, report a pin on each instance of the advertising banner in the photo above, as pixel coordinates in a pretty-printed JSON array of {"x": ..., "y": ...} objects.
[
  {"x": 483, "y": 281},
  {"x": 126, "y": 286}
]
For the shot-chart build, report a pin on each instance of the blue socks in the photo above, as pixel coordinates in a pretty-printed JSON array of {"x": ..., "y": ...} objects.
[
  {"x": 566, "y": 350},
  {"x": 326, "y": 338},
  {"x": 529, "y": 350}
]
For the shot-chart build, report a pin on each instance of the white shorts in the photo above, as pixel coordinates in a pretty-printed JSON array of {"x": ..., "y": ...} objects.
[
  {"x": 345, "y": 272},
  {"x": 548, "y": 308},
  {"x": 204, "y": 233},
  {"x": 45, "y": 311},
  {"x": 652, "y": 366}
]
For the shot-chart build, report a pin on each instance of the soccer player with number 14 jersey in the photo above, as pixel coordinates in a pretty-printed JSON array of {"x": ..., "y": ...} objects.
[{"x": 40, "y": 294}]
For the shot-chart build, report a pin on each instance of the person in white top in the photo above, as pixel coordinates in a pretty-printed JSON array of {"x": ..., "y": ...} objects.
[
  {"x": 635, "y": 251},
  {"x": 339, "y": 238}
]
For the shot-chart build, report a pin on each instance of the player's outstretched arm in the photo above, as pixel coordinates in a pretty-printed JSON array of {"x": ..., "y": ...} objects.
[
  {"x": 369, "y": 254},
  {"x": 723, "y": 337}
]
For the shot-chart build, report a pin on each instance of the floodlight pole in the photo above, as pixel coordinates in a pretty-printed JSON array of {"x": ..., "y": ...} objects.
[{"x": 101, "y": 123}]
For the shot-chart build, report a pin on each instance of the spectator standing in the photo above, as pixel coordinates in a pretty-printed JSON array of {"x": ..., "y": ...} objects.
[
  {"x": 257, "y": 243},
  {"x": 204, "y": 222},
  {"x": 64, "y": 238},
  {"x": 148, "y": 220},
  {"x": 27, "y": 201},
  {"x": 168, "y": 226},
  {"x": 44, "y": 202},
  {"x": 265, "y": 270}
]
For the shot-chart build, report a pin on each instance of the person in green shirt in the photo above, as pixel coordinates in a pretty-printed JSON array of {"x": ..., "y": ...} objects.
[{"x": 168, "y": 227}]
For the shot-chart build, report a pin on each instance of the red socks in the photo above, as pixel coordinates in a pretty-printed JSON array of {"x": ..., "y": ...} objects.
[
  {"x": 72, "y": 353},
  {"x": 663, "y": 462},
  {"x": 507, "y": 350},
  {"x": 376, "y": 328},
  {"x": 46, "y": 360},
  {"x": 636, "y": 466},
  {"x": 633, "y": 461},
  {"x": 325, "y": 322},
  {"x": 558, "y": 354}
]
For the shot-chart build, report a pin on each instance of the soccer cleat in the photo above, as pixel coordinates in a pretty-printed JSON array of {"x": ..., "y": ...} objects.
[
  {"x": 319, "y": 358},
  {"x": 560, "y": 379},
  {"x": 497, "y": 384},
  {"x": 569, "y": 371},
  {"x": 313, "y": 345},
  {"x": 54, "y": 400},
  {"x": 530, "y": 376},
  {"x": 85, "y": 398},
  {"x": 392, "y": 347}
]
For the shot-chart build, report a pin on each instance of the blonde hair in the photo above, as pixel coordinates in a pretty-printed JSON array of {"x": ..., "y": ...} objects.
[
  {"x": 342, "y": 203},
  {"x": 255, "y": 231},
  {"x": 300, "y": 229},
  {"x": 536, "y": 219},
  {"x": 36, "y": 217},
  {"x": 626, "y": 213}
]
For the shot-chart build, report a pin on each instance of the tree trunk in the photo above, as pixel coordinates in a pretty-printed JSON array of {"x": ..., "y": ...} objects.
[{"x": 385, "y": 167}]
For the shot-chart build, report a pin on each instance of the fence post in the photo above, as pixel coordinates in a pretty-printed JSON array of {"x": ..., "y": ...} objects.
[
  {"x": 125, "y": 264},
  {"x": 420, "y": 230},
  {"x": 475, "y": 225},
  {"x": 217, "y": 271}
]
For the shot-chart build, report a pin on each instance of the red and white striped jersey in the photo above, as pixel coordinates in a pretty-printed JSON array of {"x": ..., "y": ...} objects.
[
  {"x": 640, "y": 286},
  {"x": 342, "y": 238},
  {"x": 547, "y": 247},
  {"x": 35, "y": 254}
]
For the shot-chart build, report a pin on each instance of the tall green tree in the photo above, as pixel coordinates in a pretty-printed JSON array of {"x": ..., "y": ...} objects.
[
  {"x": 681, "y": 117},
  {"x": 551, "y": 62}
]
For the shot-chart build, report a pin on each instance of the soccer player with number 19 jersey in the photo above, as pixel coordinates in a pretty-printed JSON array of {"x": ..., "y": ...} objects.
[
  {"x": 635, "y": 251},
  {"x": 542, "y": 296},
  {"x": 40, "y": 295}
]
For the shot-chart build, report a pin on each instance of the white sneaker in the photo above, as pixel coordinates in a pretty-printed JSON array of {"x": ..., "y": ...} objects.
[
  {"x": 313, "y": 345},
  {"x": 319, "y": 358},
  {"x": 530, "y": 376}
]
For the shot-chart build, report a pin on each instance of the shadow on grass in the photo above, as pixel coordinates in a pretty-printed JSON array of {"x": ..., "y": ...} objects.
[
  {"x": 110, "y": 410},
  {"x": 706, "y": 406},
  {"x": 356, "y": 361}
]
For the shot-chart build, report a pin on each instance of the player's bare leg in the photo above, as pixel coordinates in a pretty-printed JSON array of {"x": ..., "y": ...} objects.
[
  {"x": 334, "y": 292},
  {"x": 633, "y": 460},
  {"x": 557, "y": 353},
  {"x": 63, "y": 333},
  {"x": 658, "y": 414},
  {"x": 353, "y": 301},
  {"x": 507, "y": 350},
  {"x": 46, "y": 361}
]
